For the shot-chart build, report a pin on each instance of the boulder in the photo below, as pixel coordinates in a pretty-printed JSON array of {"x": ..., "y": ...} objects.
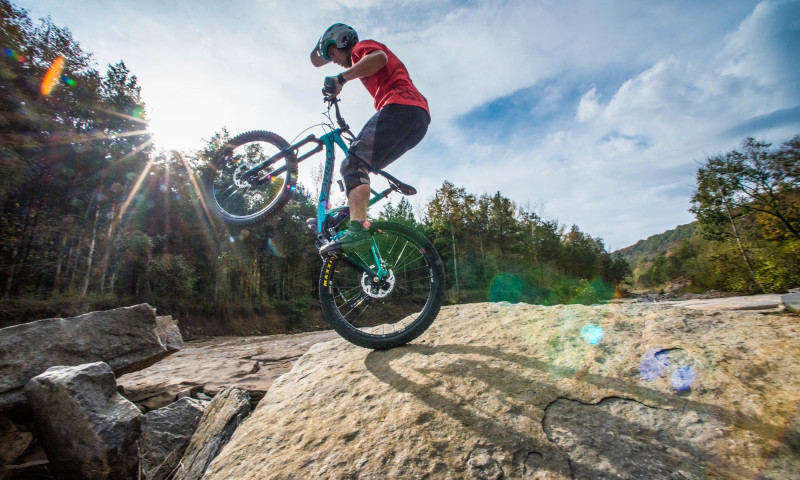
[
  {"x": 495, "y": 391},
  {"x": 127, "y": 339},
  {"x": 791, "y": 301},
  {"x": 166, "y": 433},
  {"x": 221, "y": 418},
  {"x": 88, "y": 430}
]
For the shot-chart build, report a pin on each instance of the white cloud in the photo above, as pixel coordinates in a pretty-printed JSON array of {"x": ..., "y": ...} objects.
[
  {"x": 764, "y": 49},
  {"x": 589, "y": 106}
]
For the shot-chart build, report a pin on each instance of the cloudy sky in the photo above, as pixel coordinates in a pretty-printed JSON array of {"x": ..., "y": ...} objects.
[{"x": 592, "y": 112}]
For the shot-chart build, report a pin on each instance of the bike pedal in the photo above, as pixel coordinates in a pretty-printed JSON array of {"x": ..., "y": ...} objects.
[{"x": 312, "y": 225}]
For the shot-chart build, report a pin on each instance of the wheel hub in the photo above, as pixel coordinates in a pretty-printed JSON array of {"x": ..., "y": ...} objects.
[
  {"x": 377, "y": 288},
  {"x": 238, "y": 175}
]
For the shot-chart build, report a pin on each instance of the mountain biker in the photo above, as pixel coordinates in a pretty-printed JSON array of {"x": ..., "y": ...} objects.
[{"x": 400, "y": 123}]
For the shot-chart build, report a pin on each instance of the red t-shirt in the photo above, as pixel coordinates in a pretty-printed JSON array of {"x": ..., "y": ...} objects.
[{"x": 391, "y": 84}]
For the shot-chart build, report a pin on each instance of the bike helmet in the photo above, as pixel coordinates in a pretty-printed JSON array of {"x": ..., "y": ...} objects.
[{"x": 339, "y": 34}]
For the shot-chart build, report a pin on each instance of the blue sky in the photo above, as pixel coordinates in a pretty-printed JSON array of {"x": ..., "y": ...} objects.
[{"x": 591, "y": 112}]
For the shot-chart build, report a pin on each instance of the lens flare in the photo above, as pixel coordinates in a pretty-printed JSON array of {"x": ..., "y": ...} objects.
[
  {"x": 14, "y": 55},
  {"x": 683, "y": 378},
  {"x": 505, "y": 288},
  {"x": 272, "y": 248},
  {"x": 592, "y": 334},
  {"x": 653, "y": 364},
  {"x": 52, "y": 76},
  {"x": 657, "y": 361}
]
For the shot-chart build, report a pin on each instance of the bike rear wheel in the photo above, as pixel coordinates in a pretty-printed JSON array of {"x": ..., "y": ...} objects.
[
  {"x": 239, "y": 195},
  {"x": 391, "y": 312}
]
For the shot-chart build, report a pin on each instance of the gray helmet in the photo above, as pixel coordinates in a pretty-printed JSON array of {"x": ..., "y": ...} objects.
[{"x": 339, "y": 34}]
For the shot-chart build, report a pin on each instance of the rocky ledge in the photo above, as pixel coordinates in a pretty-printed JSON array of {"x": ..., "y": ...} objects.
[
  {"x": 501, "y": 391},
  {"x": 490, "y": 391}
]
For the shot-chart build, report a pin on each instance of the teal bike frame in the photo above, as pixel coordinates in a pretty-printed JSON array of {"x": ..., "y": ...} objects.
[{"x": 326, "y": 218}]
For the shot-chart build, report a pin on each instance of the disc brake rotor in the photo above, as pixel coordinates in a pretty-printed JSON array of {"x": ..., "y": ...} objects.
[
  {"x": 238, "y": 174},
  {"x": 378, "y": 290}
]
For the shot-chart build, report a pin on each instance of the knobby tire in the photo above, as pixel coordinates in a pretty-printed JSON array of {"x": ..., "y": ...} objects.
[
  {"x": 240, "y": 200},
  {"x": 400, "y": 310}
]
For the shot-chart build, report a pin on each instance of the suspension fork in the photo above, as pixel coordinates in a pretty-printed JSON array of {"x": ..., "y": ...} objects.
[{"x": 381, "y": 273}]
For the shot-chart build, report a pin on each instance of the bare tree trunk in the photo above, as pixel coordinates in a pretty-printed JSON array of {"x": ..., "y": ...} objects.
[
  {"x": 12, "y": 268},
  {"x": 216, "y": 280},
  {"x": 738, "y": 237},
  {"x": 455, "y": 261},
  {"x": 60, "y": 263},
  {"x": 113, "y": 280},
  {"x": 85, "y": 288},
  {"x": 74, "y": 262},
  {"x": 483, "y": 256},
  {"x": 104, "y": 262}
]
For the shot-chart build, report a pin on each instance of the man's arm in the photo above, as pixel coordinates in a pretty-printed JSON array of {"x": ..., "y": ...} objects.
[{"x": 369, "y": 64}]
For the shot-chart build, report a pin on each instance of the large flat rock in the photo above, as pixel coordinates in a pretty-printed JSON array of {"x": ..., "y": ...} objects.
[
  {"x": 209, "y": 366},
  {"x": 495, "y": 391},
  {"x": 766, "y": 302}
]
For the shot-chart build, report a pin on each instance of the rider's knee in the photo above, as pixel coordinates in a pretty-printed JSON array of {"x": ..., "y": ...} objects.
[{"x": 354, "y": 173}]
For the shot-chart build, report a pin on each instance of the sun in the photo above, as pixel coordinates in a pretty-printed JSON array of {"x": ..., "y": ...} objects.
[{"x": 176, "y": 131}]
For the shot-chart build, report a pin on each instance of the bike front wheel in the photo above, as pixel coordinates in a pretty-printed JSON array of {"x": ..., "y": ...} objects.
[
  {"x": 390, "y": 311},
  {"x": 242, "y": 185}
]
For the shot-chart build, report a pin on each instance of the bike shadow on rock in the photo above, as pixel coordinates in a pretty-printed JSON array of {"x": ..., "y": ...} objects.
[{"x": 537, "y": 443}]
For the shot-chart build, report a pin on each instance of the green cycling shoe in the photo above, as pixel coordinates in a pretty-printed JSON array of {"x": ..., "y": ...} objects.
[{"x": 354, "y": 238}]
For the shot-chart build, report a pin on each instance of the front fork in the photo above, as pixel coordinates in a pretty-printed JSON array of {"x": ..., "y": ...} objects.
[{"x": 376, "y": 278}]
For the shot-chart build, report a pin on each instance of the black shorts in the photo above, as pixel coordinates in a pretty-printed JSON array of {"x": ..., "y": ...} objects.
[{"x": 391, "y": 132}]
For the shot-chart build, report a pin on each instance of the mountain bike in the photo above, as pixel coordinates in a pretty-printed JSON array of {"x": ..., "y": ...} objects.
[{"x": 379, "y": 297}]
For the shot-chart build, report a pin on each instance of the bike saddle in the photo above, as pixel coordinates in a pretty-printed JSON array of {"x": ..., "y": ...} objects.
[{"x": 403, "y": 188}]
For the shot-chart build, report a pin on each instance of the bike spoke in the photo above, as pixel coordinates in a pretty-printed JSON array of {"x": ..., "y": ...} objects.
[{"x": 245, "y": 183}]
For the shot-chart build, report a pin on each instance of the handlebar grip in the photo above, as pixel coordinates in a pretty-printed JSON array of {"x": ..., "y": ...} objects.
[{"x": 329, "y": 87}]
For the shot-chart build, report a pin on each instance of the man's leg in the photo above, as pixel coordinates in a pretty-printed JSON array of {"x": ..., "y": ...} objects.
[
  {"x": 358, "y": 199},
  {"x": 356, "y": 236}
]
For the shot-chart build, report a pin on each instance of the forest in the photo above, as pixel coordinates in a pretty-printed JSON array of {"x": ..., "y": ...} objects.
[{"x": 93, "y": 216}]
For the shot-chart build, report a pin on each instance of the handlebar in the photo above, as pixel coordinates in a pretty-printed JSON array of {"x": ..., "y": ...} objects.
[{"x": 333, "y": 101}]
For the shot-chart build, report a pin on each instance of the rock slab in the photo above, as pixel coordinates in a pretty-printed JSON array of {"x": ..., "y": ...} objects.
[
  {"x": 212, "y": 365},
  {"x": 502, "y": 391},
  {"x": 88, "y": 430},
  {"x": 127, "y": 339},
  {"x": 220, "y": 419},
  {"x": 791, "y": 301},
  {"x": 166, "y": 433}
]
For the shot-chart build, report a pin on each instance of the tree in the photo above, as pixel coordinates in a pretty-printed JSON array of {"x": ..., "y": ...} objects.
[
  {"x": 447, "y": 213},
  {"x": 753, "y": 179},
  {"x": 617, "y": 270},
  {"x": 401, "y": 213}
]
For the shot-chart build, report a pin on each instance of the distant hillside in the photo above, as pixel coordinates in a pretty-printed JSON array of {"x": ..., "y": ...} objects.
[{"x": 657, "y": 244}]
